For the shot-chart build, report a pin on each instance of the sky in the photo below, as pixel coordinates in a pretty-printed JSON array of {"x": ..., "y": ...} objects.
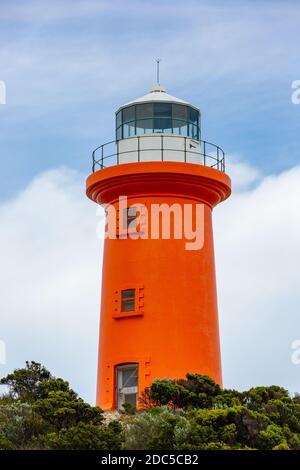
[{"x": 67, "y": 66}]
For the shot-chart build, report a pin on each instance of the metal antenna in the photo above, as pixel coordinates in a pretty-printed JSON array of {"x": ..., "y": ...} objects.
[{"x": 157, "y": 70}]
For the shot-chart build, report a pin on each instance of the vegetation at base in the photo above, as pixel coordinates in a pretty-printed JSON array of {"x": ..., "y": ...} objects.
[{"x": 43, "y": 412}]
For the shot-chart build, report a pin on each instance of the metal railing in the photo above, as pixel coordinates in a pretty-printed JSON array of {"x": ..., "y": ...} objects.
[{"x": 108, "y": 154}]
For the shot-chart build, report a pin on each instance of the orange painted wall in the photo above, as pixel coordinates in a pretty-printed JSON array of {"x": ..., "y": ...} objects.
[{"x": 176, "y": 328}]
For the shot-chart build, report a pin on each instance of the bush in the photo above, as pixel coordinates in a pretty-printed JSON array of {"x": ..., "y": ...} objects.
[
  {"x": 18, "y": 424},
  {"x": 155, "y": 429},
  {"x": 271, "y": 437},
  {"x": 196, "y": 391},
  {"x": 39, "y": 405},
  {"x": 59, "y": 411},
  {"x": 43, "y": 412},
  {"x": 232, "y": 427},
  {"x": 87, "y": 437}
]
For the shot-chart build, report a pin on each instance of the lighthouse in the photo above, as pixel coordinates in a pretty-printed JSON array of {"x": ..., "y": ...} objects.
[{"x": 159, "y": 314}]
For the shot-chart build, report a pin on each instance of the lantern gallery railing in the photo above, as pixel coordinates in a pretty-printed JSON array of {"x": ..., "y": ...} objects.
[{"x": 158, "y": 148}]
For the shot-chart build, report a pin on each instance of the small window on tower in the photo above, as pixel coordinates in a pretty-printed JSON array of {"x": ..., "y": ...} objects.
[
  {"x": 128, "y": 300},
  {"x": 130, "y": 216}
]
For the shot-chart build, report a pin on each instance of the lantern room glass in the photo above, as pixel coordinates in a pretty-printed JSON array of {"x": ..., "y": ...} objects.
[{"x": 159, "y": 117}]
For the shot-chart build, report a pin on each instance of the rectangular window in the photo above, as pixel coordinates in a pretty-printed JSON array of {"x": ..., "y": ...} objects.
[
  {"x": 119, "y": 133},
  {"x": 180, "y": 128},
  {"x": 144, "y": 111},
  {"x": 128, "y": 114},
  {"x": 126, "y": 131},
  {"x": 163, "y": 110},
  {"x": 119, "y": 118},
  {"x": 129, "y": 218},
  {"x": 193, "y": 131},
  {"x": 144, "y": 126},
  {"x": 131, "y": 128},
  {"x": 163, "y": 125},
  {"x": 179, "y": 112},
  {"x": 128, "y": 300},
  {"x": 193, "y": 116}
]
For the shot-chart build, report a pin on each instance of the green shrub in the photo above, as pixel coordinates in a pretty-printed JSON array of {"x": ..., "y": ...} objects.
[
  {"x": 271, "y": 437},
  {"x": 196, "y": 391},
  {"x": 87, "y": 437},
  {"x": 18, "y": 424},
  {"x": 60, "y": 411},
  {"x": 43, "y": 412},
  {"x": 154, "y": 429}
]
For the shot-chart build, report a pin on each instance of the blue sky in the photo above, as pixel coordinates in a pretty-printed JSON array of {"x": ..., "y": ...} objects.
[{"x": 68, "y": 65}]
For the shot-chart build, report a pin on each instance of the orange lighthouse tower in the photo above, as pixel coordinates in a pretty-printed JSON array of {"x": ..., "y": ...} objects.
[{"x": 159, "y": 315}]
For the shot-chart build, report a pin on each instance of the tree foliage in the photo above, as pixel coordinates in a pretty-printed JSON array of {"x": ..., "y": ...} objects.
[
  {"x": 24, "y": 383},
  {"x": 41, "y": 411},
  {"x": 86, "y": 436}
]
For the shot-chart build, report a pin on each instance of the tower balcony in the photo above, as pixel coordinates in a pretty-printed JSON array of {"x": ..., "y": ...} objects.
[{"x": 158, "y": 147}]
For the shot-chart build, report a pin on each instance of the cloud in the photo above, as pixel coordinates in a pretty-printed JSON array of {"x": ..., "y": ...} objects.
[
  {"x": 258, "y": 256},
  {"x": 51, "y": 272},
  {"x": 69, "y": 65},
  {"x": 242, "y": 174},
  {"x": 54, "y": 11},
  {"x": 53, "y": 61},
  {"x": 50, "y": 278}
]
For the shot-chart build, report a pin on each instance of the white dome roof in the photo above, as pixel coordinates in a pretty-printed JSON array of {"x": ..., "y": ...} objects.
[{"x": 157, "y": 93}]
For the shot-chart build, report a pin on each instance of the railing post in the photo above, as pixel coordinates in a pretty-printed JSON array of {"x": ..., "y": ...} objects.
[
  {"x": 118, "y": 157},
  {"x": 204, "y": 153},
  {"x": 218, "y": 158},
  {"x": 185, "y": 149},
  {"x": 101, "y": 156},
  {"x": 162, "y": 148},
  {"x": 139, "y": 158}
]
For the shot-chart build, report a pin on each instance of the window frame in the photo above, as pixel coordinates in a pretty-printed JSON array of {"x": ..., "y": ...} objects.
[
  {"x": 139, "y": 301},
  {"x": 130, "y": 218},
  {"x": 128, "y": 300},
  {"x": 119, "y": 369}
]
